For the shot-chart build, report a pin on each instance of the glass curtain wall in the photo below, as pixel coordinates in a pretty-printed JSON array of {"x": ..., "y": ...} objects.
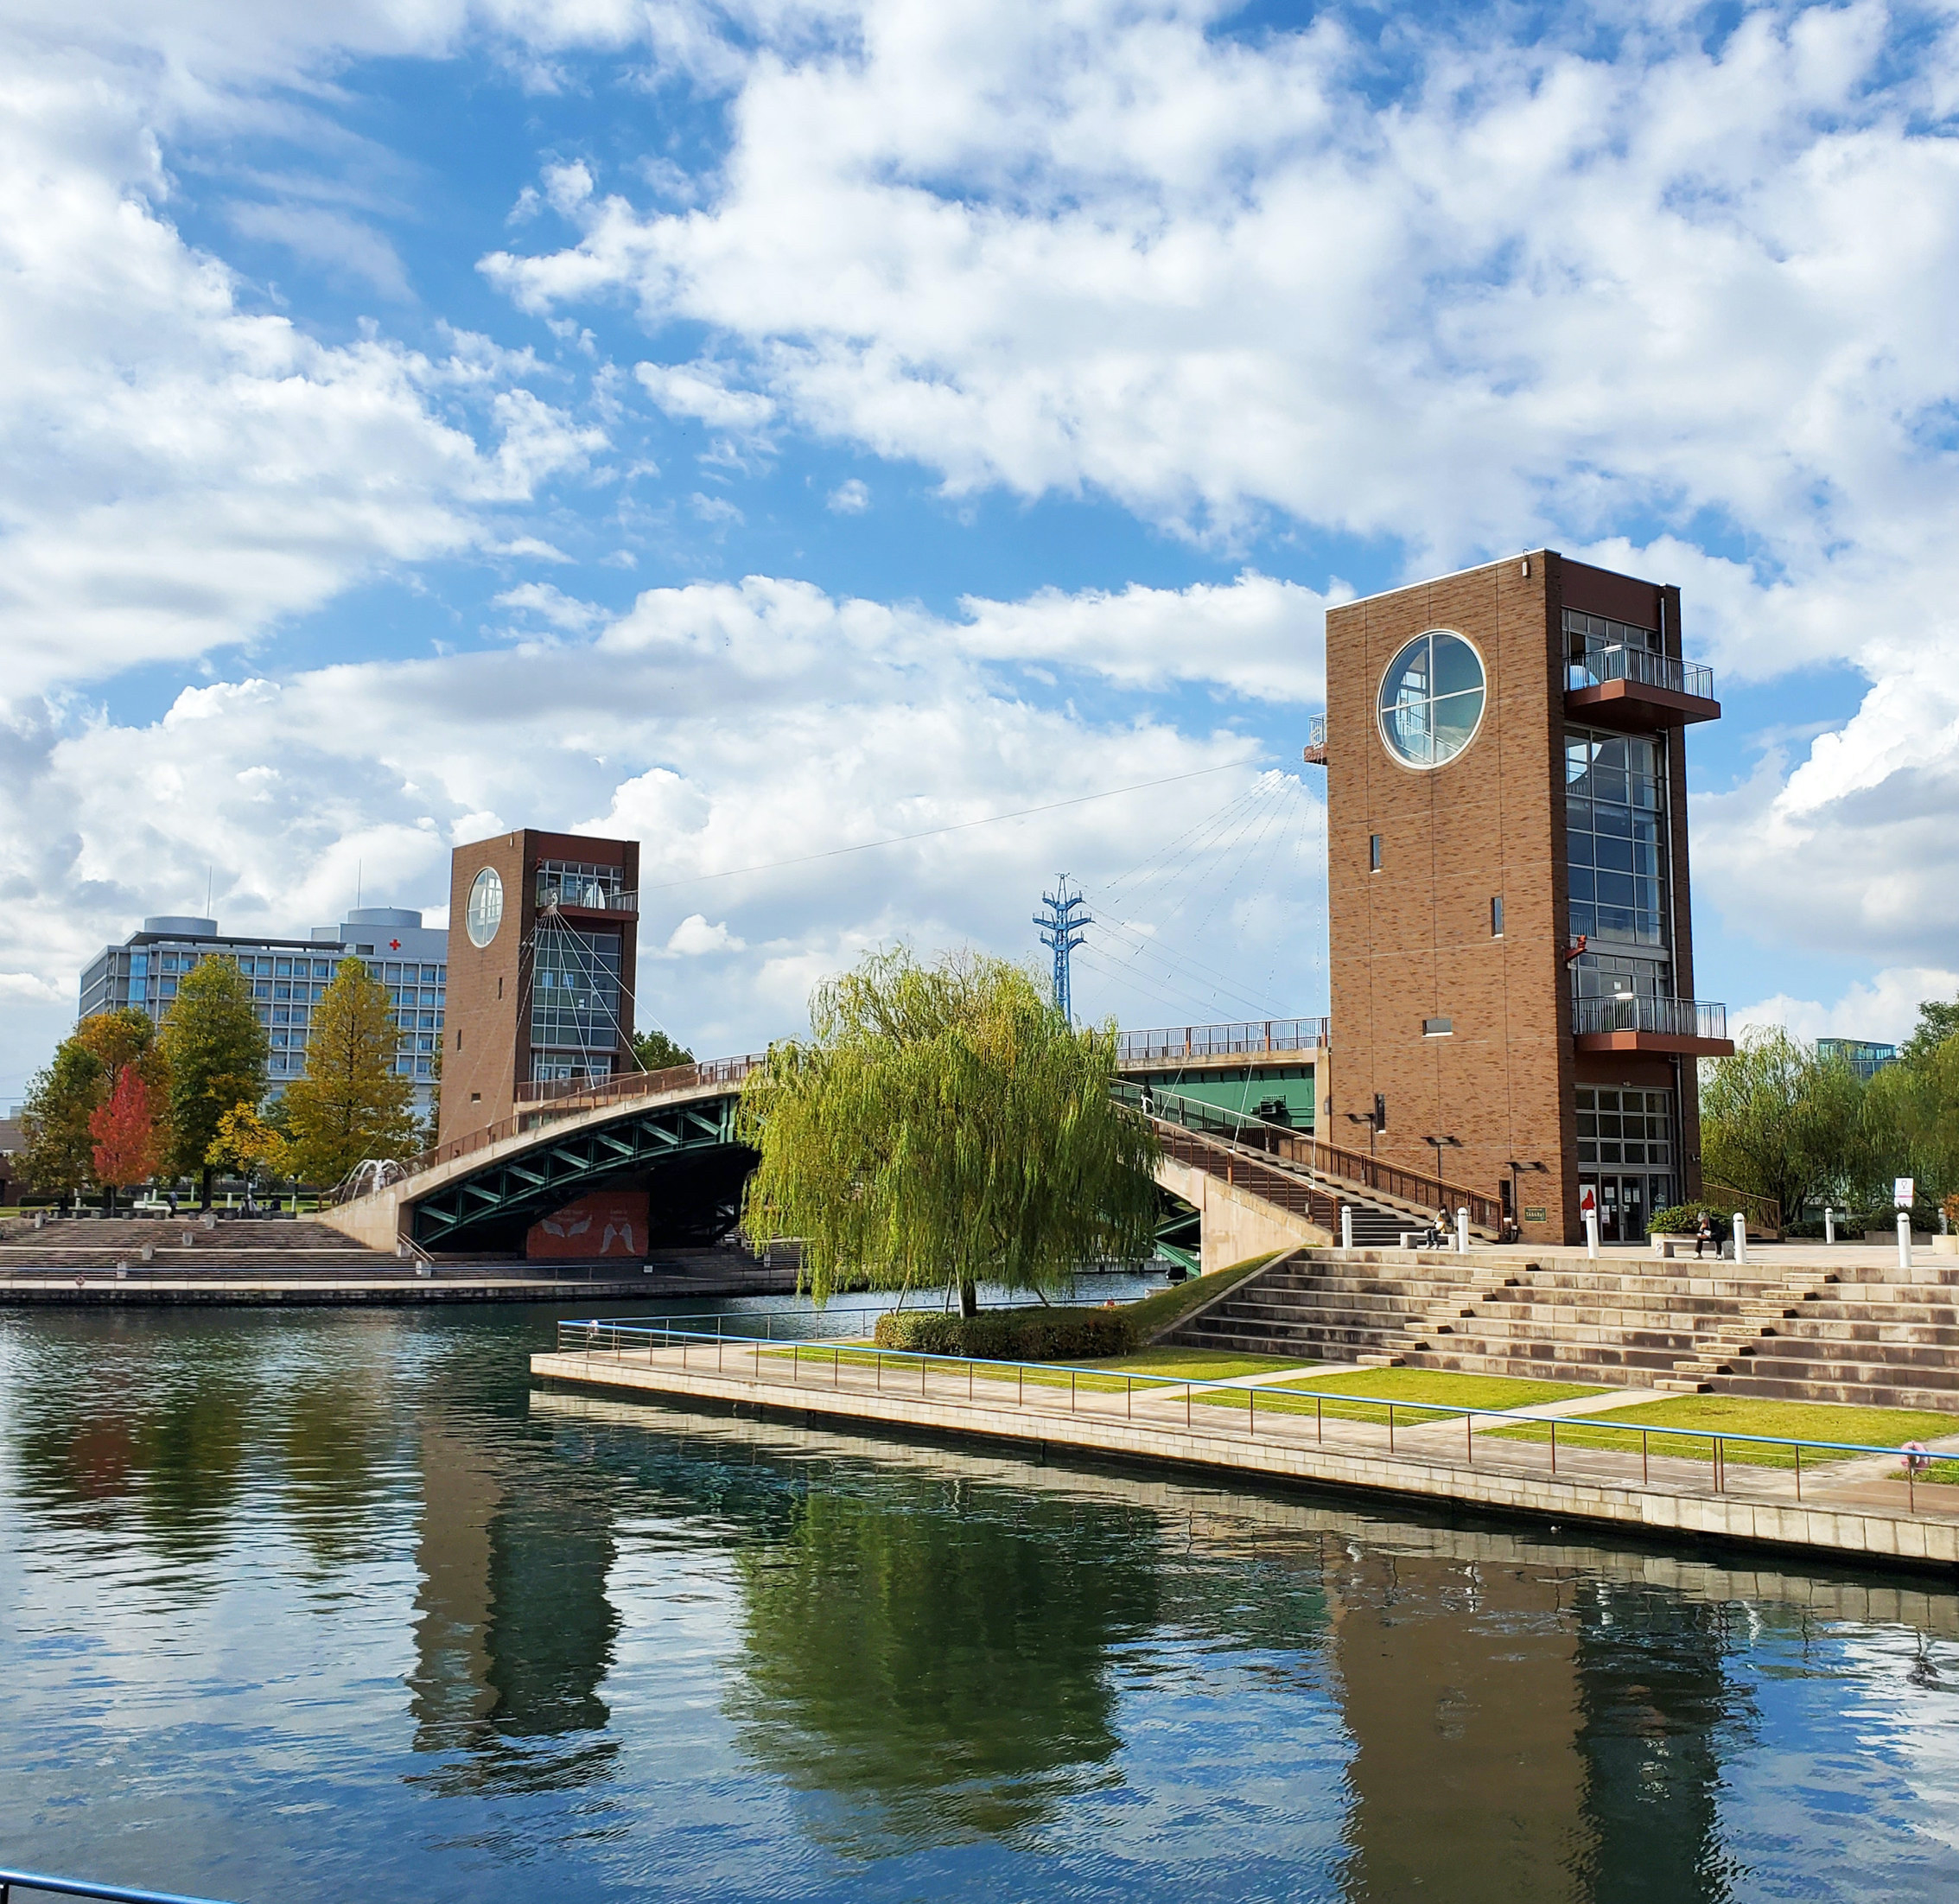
[{"x": 575, "y": 1003}]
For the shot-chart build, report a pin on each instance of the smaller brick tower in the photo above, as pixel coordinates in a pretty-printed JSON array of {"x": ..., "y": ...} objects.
[
  {"x": 1512, "y": 954},
  {"x": 543, "y": 944}
]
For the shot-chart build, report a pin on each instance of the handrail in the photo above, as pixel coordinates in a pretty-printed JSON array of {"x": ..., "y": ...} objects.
[
  {"x": 1311, "y": 1154},
  {"x": 1764, "y": 1212},
  {"x": 1637, "y": 1012},
  {"x": 567, "y": 1097},
  {"x": 1250, "y": 1039},
  {"x": 1719, "y": 1437},
  {"x": 1621, "y": 661},
  {"x": 74, "y": 1886}
]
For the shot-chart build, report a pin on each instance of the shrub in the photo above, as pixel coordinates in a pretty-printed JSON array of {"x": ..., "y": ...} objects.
[
  {"x": 1010, "y": 1335},
  {"x": 1684, "y": 1219}
]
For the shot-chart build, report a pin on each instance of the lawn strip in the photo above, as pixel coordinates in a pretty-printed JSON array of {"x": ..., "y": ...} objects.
[{"x": 1867, "y": 1427}]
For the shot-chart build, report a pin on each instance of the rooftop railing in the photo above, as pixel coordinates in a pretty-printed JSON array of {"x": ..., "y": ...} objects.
[
  {"x": 1252, "y": 1039},
  {"x": 1671, "y": 1017},
  {"x": 1623, "y": 663},
  {"x": 583, "y": 894}
]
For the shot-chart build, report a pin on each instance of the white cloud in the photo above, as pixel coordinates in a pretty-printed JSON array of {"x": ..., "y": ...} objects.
[
  {"x": 1884, "y": 1011},
  {"x": 694, "y": 936},
  {"x": 552, "y": 605},
  {"x": 851, "y": 497},
  {"x": 697, "y": 391},
  {"x": 725, "y": 726}
]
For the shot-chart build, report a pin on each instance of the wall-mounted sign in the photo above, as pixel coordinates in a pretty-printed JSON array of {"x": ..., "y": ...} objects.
[{"x": 1533, "y": 1212}]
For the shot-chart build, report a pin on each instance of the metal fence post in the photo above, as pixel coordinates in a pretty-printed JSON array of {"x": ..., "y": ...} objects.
[
  {"x": 1553, "y": 1444},
  {"x": 1390, "y": 1428},
  {"x": 1251, "y": 1409},
  {"x": 1070, "y": 1392}
]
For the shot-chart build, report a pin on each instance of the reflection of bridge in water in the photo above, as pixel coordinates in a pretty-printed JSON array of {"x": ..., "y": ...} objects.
[{"x": 1238, "y": 1108}]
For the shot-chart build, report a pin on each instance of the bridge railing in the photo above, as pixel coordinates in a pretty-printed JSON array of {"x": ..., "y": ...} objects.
[
  {"x": 1251, "y": 1038},
  {"x": 541, "y": 1104},
  {"x": 1329, "y": 1159}
]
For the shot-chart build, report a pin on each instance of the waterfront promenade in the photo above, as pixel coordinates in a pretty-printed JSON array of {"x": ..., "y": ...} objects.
[{"x": 1858, "y": 1508}]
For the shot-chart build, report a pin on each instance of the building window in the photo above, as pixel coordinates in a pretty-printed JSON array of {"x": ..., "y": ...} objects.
[
  {"x": 1437, "y": 1027},
  {"x": 1431, "y": 700},
  {"x": 1615, "y": 825},
  {"x": 1374, "y": 852},
  {"x": 484, "y": 912},
  {"x": 575, "y": 990},
  {"x": 1626, "y": 1128},
  {"x": 1496, "y": 917}
]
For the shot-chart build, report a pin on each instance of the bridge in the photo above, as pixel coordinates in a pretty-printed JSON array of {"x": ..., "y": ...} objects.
[{"x": 1228, "y": 1102}]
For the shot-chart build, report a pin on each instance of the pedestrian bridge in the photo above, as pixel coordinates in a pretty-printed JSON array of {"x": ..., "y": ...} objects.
[{"x": 1238, "y": 1176}]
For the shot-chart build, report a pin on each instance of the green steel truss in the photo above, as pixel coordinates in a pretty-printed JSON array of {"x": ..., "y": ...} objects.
[{"x": 497, "y": 1202}]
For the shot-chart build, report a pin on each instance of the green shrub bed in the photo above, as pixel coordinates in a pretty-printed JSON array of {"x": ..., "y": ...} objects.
[{"x": 1042, "y": 1334}]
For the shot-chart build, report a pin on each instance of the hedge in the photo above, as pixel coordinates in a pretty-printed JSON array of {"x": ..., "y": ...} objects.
[{"x": 1042, "y": 1334}]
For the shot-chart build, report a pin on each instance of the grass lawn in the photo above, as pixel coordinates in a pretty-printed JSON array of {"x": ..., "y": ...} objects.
[
  {"x": 1106, "y": 1376},
  {"x": 1197, "y": 1365},
  {"x": 1819, "y": 1420},
  {"x": 1409, "y": 1388}
]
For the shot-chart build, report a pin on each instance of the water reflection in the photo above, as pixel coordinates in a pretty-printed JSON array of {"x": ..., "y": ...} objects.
[
  {"x": 937, "y": 1659},
  {"x": 281, "y": 1585}
]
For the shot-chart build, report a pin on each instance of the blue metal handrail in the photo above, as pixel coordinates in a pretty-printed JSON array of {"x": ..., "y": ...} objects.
[
  {"x": 74, "y": 1887},
  {"x": 1719, "y": 1438}
]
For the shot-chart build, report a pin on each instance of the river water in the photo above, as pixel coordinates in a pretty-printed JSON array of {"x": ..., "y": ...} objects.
[{"x": 331, "y": 1605}]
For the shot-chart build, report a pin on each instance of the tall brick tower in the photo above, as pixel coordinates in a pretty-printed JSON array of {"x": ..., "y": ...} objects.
[
  {"x": 543, "y": 937},
  {"x": 1512, "y": 956}
]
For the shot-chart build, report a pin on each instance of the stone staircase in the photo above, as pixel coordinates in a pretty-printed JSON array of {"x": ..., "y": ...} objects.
[
  {"x": 232, "y": 1243},
  {"x": 1865, "y": 1336}
]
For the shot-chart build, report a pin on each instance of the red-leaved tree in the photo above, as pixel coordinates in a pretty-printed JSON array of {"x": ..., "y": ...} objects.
[{"x": 127, "y": 1141}]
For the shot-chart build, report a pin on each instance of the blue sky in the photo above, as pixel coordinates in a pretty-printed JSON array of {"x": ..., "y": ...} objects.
[{"x": 768, "y": 428}]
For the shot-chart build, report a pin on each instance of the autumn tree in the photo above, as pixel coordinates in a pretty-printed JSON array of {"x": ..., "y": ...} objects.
[
  {"x": 247, "y": 1144},
  {"x": 128, "y": 1142},
  {"x": 942, "y": 1128},
  {"x": 217, "y": 1051},
  {"x": 351, "y": 1105}
]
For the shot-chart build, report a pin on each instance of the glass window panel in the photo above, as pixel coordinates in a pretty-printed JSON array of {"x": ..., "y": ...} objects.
[
  {"x": 1582, "y": 887},
  {"x": 1613, "y": 854},
  {"x": 1615, "y": 920},
  {"x": 1608, "y": 1153},
  {"x": 1584, "y": 924},
  {"x": 1587, "y": 1153},
  {"x": 1615, "y": 888}
]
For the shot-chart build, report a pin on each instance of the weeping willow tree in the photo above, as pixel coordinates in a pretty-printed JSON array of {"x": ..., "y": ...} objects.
[{"x": 943, "y": 1127}]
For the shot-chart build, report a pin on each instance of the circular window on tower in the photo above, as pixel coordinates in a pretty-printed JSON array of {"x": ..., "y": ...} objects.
[
  {"x": 1432, "y": 699},
  {"x": 485, "y": 907}
]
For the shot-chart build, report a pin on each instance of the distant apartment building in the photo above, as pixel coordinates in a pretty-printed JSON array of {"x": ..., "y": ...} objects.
[
  {"x": 288, "y": 978},
  {"x": 1863, "y": 1057}
]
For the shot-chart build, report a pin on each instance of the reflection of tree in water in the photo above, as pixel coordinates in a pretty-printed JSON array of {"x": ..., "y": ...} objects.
[{"x": 940, "y": 1655}]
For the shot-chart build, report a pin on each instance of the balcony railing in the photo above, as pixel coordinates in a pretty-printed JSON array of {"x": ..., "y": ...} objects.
[
  {"x": 1668, "y": 1017},
  {"x": 1314, "y": 753},
  {"x": 1254, "y": 1039},
  {"x": 591, "y": 895},
  {"x": 1623, "y": 663}
]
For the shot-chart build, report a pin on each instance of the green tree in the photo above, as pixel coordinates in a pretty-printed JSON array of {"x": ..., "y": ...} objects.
[
  {"x": 1779, "y": 1121},
  {"x": 657, "y": 1052},
  {"x": 1910, "y": 1121},
  {"x": 350, "y": 1105},
  {"x": 944, "y": 1126},
  {"x": 217, "y": 1051},
  {"x": 59, "y": 1156},
  {"x": 1938, "y": 1021}
]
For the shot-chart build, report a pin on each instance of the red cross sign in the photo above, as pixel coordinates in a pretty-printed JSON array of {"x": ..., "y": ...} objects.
[{"x": 394, "y": 944}]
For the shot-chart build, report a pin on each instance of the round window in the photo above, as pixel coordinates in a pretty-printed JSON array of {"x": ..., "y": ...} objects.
[
  {"x": 485, "y": 907},
  {"x": 1432, "y": 699}
]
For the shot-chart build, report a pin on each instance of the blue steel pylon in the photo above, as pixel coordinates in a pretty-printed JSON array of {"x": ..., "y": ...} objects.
[{"x": 1061, "y": 921}]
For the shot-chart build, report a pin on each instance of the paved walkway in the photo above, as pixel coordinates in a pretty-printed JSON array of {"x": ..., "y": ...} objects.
[{"x": 1824, "y": 1508}]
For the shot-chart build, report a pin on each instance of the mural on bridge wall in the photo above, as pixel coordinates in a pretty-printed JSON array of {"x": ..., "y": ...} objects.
[{"x": 606, "y": 1223}]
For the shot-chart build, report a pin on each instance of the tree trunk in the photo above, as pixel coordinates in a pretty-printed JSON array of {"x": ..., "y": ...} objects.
[{"x": 968, "y": 1298}]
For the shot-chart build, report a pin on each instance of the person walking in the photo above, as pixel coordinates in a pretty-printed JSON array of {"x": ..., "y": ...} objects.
[{"x": 1704, "y": 1234}]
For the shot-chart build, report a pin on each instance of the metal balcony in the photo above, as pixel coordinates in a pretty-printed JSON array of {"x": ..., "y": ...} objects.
[
  {"x": 568, "y": 893},
  {"x": 1694, "y": 1027},
  {"x": 1180, "y": 1044},
  {"x": 1314, "y": 752},
  {"x": 1623, "y": 686}
]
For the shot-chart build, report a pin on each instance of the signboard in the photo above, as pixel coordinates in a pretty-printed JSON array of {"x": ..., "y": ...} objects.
[
  {"x": 1901, "y": 1193},
  {"x": 1587, "y": 1203},
  {"x": 1534, "y": 1213}
]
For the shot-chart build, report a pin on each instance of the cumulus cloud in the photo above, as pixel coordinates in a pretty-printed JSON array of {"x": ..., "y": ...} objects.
[
  {"x": 727, "y": 728},
  {"x": 850, "y": 497},
  {"x": 1884, "y": 1011}
]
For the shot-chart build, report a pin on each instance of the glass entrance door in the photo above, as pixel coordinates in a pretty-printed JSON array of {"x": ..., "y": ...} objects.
[{"x": 1623, "y": 1203}]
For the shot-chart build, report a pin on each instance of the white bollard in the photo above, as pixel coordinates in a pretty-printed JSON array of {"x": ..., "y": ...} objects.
[
  {"x": 1740, "y": 1238},
  {"x": 1591, "y": 1233},
  {"x": 1347, "y": 1225},
  {"x": 1904, "y": 1240},
  {"x": 1462, "y": 1230},
  {"x": 1829, "y": 1225}
]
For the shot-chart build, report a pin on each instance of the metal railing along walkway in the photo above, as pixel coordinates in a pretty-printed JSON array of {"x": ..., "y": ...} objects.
[
  {"x": 1337, "y": 1173},
  {"x": 1252, "y": 1039},
  {"x": 41, "y": 1882},
  {"x": 816, "y": 1362}
]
